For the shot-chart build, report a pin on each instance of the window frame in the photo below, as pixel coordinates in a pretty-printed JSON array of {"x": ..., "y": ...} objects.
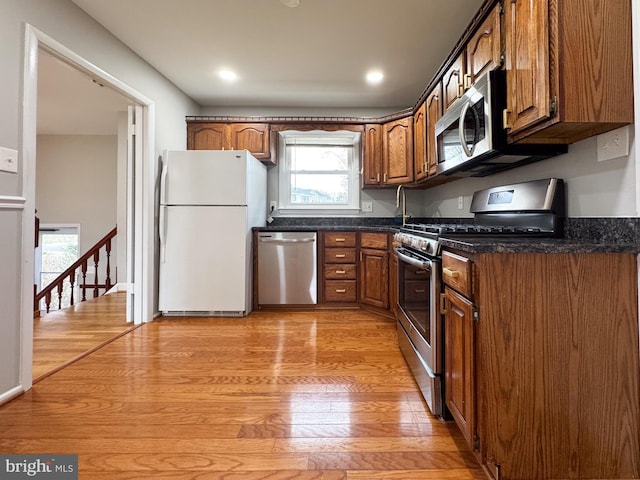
[{"x": 318, "y": 137}]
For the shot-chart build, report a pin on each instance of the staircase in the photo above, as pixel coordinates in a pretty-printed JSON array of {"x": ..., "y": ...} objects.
[{"x": 88, "y": 262}]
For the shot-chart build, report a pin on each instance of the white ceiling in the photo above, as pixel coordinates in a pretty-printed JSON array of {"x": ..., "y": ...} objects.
[
  {"x": 69, "y": 102},
  {"x": 311, "y": 56}
]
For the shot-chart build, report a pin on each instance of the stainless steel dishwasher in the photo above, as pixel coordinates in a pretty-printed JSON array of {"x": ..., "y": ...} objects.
[{"x": 287, "y": 268}]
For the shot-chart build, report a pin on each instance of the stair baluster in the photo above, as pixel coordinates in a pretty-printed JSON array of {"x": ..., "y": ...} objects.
[{"x": 70, "y": 275}]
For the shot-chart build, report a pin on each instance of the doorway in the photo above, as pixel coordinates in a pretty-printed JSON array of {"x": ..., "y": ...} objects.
[{"x": 139, "y": 204}]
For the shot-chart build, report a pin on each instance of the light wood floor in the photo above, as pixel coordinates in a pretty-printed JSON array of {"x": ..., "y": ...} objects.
[
  {"x": 61, "y": 337},
  {"x": 277, "y": 396}
]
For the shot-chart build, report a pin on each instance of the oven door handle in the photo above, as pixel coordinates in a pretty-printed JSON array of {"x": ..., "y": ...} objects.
[{"x": 423, "y": 264}]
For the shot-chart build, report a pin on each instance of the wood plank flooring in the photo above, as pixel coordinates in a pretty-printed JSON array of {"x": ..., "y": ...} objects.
[
  {"x": 61, "y": 337},
  {"x": 277, "y": 396}
]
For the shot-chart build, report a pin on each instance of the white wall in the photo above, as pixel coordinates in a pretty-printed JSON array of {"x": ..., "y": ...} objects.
[
  {"x": 66, "y": 23},
  {"x": 594, "y": 189},
  {"x": 76, "y": 182}
]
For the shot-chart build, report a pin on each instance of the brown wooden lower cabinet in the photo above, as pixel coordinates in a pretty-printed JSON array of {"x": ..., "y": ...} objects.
[
  {"x": 459, "y": 362},
  {"x": 374, "y": 269},
  {"x": 553, "y": 376},
  {"x": 355, "y": 268}
]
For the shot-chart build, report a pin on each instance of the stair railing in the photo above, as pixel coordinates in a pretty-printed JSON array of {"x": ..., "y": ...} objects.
[{"x": 70, "y": 275}]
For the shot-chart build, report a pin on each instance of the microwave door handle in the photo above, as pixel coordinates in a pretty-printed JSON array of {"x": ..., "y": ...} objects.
[{"x": 463, "y": 140}]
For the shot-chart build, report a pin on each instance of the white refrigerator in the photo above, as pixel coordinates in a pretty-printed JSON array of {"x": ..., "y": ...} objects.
[{"x": 209, "y": 202}]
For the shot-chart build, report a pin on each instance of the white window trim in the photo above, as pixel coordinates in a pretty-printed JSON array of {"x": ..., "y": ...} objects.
[{"x": 284, "y": 175}]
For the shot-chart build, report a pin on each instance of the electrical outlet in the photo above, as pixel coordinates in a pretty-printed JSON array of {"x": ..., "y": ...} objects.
[
  {"x": 8, "y": 160},
  {"x": 367, "y": 207},
  {"x": 460, "y": 202},
  {"x": 613, "y": 144}
]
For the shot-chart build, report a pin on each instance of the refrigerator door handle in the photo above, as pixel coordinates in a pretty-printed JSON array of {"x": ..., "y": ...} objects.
[
  {"x": 162, "y": 232},
  {"x": 163, "y": 182}
]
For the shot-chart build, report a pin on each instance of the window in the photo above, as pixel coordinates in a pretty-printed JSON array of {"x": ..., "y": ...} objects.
[
  {"x": 58, "y": 247},
  {"x": 319, "y": 171}
]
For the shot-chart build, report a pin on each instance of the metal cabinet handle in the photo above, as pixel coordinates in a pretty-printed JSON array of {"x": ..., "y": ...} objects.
[
  {"x": 450, "y": 273},
  {"x": 505, "y": 119},
  {"x": 341, "y": 255},
  {"x": 341, "y": 290},
  {"x": 467, "y": 81},
  {"x": 419, "y": 290},
  {"x": 341, "y": 272},
  {"x": 443, "y": 303},
  {"x": 340, "y": 240}
]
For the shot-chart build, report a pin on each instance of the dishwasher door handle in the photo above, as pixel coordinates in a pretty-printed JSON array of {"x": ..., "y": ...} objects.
[{"x": 287, "y": 240}]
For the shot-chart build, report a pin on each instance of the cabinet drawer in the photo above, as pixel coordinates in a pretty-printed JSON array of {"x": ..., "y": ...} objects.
[
  {"x": 456, "y": 272},
  {"x": 340, "y": 239},
  {"x": 340, "y": 290},
  {"x": 339, "y": 271},
  {"x": 339, "y": 255},
  {"x": 374, "y": 240}
]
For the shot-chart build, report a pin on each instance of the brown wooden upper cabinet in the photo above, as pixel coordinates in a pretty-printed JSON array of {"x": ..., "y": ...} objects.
[
  {"x": 453, "y": 82},
  {"x": 372, "y": 156},
  {"x": 434, "y": 112},
  {"x": 420, "y": 142},
  {"x": 569, "y": 68},
  {"x": 480, "y": 54},
  {"x": 254, "y": 137},
  {"x": 483, "y": 49},
  {"x": 388, "y": 153},
  {"x": 397, "y": 151}
]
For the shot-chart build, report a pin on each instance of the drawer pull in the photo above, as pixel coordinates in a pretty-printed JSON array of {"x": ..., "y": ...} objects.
[
  {"x": 421, "y": 272},
  {"x": 339, "y": 240},
  {"x": 341, "y": 272},
  {"x": 341, "y": 290},
  {"x": 341, "y": 255},
  {"x": 450, "y": 273},
  {"x": 419, "y": 290}
]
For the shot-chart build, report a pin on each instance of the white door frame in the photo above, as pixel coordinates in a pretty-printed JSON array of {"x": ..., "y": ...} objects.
[{"x": 144, "y": 183}]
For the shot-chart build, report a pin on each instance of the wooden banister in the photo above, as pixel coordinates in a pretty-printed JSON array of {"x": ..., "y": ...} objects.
[{"x": 70, "y": 274}]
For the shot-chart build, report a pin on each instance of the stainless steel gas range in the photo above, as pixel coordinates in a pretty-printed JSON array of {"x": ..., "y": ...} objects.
[{"x": 523, "y": 210}]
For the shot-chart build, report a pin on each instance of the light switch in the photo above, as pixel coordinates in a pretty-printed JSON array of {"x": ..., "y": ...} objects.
[{"x": 8, "y": 160}]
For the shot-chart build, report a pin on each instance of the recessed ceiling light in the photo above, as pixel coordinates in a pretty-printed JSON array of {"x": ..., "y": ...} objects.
[
  {"x": 375, "y": 77},
  {"x": 290, "y": 3},
  {"x": 228, "y": 75}
]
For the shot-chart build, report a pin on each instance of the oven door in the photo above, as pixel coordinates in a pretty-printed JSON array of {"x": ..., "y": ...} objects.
[{"x": 418, "y": 295}]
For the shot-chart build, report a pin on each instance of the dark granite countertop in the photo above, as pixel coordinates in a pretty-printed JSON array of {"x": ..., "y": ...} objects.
[
  {"x": 582, "y": 235},
  {"x": 478, "y": 244},
  {"x": 314, "y": 228}
]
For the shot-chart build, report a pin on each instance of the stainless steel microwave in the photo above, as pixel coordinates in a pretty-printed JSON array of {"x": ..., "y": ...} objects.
[{"x": 470, "y": 138}]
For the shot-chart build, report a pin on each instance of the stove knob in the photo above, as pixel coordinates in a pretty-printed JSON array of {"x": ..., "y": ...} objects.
[{"x": 429, "y": 249}]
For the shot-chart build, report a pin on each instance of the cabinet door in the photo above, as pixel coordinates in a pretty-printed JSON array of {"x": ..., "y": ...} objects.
[
  {"x": 452, "y": 82},
  {"x": 372, "y": 156},
  {"x": 393, "y": 284},
  {"x": 483, "y": 49},
  {"x": 397, "y": 151},
  {"x": 206, "y": 136},
  {"x": 459, "y": 362},
  {"x": 434, "y": 112},
  {"x": 253, "y": 137},
  {"x": 420, "y": 143},
  {"x": 526, "y": 25},
  {"x": 374, "y": 275}
]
